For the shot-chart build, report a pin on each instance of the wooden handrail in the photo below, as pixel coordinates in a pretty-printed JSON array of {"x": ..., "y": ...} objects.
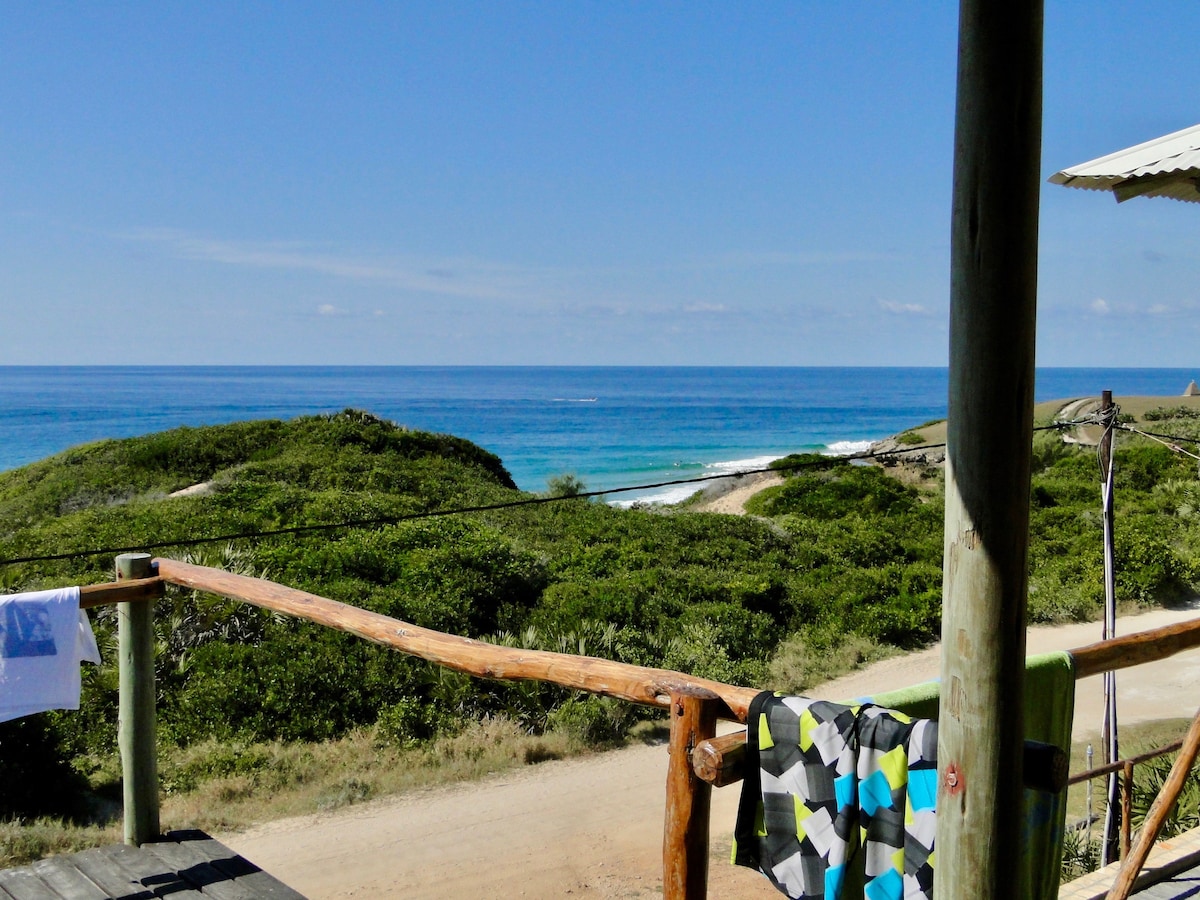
[
  {"x": 717, "y": 761},
  {"x": 1135, "y": 649},
  {"x": 1125, "y": 767},
  {"x": 720, "y": 761},
  {"x": 1092, "y": 659},
  {"x": 1080, "y": 777},
  {"x": 1103, "y": 656},
  {"x": 637, "y": 684},
  {"x": 120, "y": 592}
]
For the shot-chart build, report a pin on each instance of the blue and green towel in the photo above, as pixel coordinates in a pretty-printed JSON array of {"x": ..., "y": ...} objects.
[{"x": 843, "y": 795}]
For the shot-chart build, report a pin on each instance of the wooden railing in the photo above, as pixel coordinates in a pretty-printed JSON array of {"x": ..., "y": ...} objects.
[
  {"x": 694, "y": 704},
  {"x": 1125, "y": 767},
  {"x": 696, "y": 762}
]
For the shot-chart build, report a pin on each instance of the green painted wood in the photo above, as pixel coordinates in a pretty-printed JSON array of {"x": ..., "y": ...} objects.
[{"x": 136, "y": 714}]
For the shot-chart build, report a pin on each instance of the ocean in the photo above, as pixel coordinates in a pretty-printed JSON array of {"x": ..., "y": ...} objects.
[{"x": 609, "y": 426}]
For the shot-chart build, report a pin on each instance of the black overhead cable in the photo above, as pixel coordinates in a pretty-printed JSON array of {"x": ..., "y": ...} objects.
[
  {"x": 378, "y": 521},
  {"x": 1153, "y": 434},
  {"x": 824, "y": 462}
]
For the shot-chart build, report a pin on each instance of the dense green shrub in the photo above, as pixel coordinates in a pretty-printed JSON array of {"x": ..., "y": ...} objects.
[
  {"x": 1161, "y": 413},
  {"x": 836, "y": 565},
  {"x": 36, "y": 778}
]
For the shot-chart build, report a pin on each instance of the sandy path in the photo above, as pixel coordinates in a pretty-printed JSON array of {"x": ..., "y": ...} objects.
[
  {"x": 730, "y": 496},
  {"x": 592, "y": 828}
]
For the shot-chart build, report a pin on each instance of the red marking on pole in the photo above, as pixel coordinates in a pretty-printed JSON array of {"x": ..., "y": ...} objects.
[{"x": 954, "y": 780}]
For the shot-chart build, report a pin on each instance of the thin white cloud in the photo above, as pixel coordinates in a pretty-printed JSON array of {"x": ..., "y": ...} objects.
[
  {"x": 705, "y": 308},
  {"x": 803, "y": 257},
  {"x": 904, "y": 309},
  {"x": 328, "y": 309},
  {"x": 1102, "y": 307},
  {"x": 453, "y": 278}
]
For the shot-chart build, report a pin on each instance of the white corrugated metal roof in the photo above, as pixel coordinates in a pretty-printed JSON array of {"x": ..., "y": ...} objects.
[{"x": 1168, "y": 166}]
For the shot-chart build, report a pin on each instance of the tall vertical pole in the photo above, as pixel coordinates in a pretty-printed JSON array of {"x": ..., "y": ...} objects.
[
  {"x": 1108, "y": 850},
  {"x": 135, "y": 711},
  {"x": 993, "y": 309}
]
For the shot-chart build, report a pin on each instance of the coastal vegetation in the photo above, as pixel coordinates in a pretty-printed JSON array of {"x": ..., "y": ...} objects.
[{"x": 837, "y": 565}]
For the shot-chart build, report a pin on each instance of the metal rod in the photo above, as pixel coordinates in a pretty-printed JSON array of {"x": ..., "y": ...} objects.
[{"x": 1108, "y": 729}]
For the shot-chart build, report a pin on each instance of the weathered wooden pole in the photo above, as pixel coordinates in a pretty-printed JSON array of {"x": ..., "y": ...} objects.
[
  {"x": 993, "y": 309},
  {"x": 685, "y": 833},
  {"x": 135, "y": 716},
  {"x": 1126, "y": 807}
]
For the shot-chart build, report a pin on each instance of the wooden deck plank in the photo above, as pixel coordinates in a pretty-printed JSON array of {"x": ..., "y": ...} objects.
[
  {"x": 25, "y": 885},
  {"x": 197, "y": 871},
  {"x": 154, "y": 875},
  {"x": 184, "y": 865},
  {"x": 61, "y": 874},
  {"x": 98, "y": 866},
  {"x": 1185, "y": 884},
  {"x": 245, "y": 873}
]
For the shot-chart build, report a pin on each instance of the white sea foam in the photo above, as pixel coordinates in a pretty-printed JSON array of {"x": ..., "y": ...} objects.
[
  {"x": 677, "y": 493},
  {"x": 733, "y": 466},
  {"x": 845, "y": 448}
]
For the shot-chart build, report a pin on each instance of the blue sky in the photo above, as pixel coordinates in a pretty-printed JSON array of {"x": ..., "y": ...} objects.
[{"x": 555, "y": 183}]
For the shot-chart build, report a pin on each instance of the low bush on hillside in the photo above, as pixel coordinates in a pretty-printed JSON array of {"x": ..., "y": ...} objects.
[{"x": 836, "y": 566}]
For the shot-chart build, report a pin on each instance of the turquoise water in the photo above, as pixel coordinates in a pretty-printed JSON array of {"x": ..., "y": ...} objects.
[{"x": 610, "y": 426}]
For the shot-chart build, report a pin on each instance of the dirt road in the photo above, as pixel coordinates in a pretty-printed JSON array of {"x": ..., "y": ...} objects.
[{"x": 592, "y": 828}]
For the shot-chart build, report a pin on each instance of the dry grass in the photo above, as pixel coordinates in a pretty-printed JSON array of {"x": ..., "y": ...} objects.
[
  {"x": 799, "y": 662},
  {"x": 282, "y": 780},
  {"x": 225, "y": 787},
  {"x": 22, "y": 842}
]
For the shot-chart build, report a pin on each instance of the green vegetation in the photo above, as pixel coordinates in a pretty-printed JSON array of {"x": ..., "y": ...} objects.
[
  {"x": 837, "y": 566},
  {"x": 910, "y": 438},
  {"x": 1161, "y": 413},
  {"x": 565, "y": 485}
]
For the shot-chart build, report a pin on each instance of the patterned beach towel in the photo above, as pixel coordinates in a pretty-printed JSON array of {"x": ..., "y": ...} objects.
[{"x": 833, "y": 789}]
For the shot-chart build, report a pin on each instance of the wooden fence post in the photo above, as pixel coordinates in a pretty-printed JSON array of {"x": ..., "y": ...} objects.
[
  {"x": 136, "y": 714},
  {"x": 685, "y": 832}
]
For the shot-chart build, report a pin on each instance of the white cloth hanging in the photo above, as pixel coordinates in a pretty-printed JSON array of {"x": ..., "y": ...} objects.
[{"x": 44, "y": 635}]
